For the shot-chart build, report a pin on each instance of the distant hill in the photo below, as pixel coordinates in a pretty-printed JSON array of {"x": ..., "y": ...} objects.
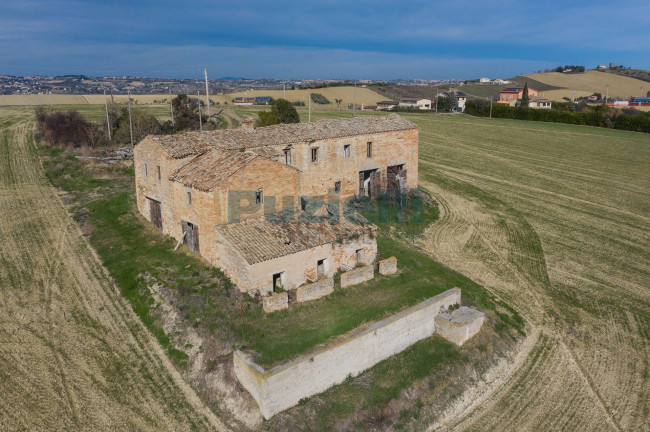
[{"x": 587, "y": 83}]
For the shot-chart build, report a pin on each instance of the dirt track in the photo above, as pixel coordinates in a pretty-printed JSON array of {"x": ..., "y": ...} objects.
[
  {"x": 554, "y": 220},
  {"x": 73, "y": 355}
]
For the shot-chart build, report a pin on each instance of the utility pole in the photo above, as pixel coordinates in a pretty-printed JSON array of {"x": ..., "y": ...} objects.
[
  {"x": 200, "y": 119},
  {"x": 354, "y": 100},
  {"x": 207, "y": 91},
  {"x": 490, "y": 107},
  {"x": 108, "y": 121},
  {"x": 606, "y": 93},
  {"x": 309, "y": 108},
  {"x": 437, "y": 100},
  {"x": 284, "y": 90},
  {"x": 171, "y": 106},
  {"x": 130, "y": 119}
]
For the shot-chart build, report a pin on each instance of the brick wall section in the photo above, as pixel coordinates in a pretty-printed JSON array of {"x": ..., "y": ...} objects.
[
  {"x": 388, "y": 149},
  {"x": 315, "y": 290},
  {"x": 314, "y": 372},
  {"x": 388, "y": 266},
  {"x": 275, "y": 302},
  {"x": 357, "y": 276}
]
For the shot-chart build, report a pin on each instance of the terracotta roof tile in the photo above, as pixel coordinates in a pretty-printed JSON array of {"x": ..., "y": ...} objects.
[
  {"x": 192, "y": 143},
  {"x": 210, "y": 169},
  {"x": 260, "y": 240}
]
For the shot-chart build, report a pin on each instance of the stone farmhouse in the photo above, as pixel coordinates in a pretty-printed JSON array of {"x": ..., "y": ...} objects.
[{"x": 263, "y": 203}]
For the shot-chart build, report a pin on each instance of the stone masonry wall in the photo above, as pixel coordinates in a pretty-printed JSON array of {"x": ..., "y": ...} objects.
[
  {"x": 300, "y": 267},
  {"x": 275, "y": 302},
  {"x": 357, "y": 276},
  {"x": 315, "y": 290},
  {"x": 283, "y": 386},
  {"x": 388, "y": 266}
]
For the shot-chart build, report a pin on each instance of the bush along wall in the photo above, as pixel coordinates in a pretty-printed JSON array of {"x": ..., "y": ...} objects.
[{"x": 601, "y": 118}]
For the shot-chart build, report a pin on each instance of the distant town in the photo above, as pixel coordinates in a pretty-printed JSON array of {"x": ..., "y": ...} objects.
[{"x": 82, "y": 84}]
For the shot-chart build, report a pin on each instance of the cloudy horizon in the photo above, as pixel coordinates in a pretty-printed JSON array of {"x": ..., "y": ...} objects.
[{"x": 332, "y": 39}]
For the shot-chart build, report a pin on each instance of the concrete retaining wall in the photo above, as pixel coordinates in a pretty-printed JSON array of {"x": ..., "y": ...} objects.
[
  {"x": 357, "y": 276},
  {"x": 388, "y": 266},
  {"x": 315, "y": 290},
  {"x": 283, "y": 386},
  {"x": 275, "y": 302}
]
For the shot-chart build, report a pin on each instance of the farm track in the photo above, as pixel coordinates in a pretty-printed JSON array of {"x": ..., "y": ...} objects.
[
  {"x": 558, "y": 228},
  {"x": 73, "y": 355}
]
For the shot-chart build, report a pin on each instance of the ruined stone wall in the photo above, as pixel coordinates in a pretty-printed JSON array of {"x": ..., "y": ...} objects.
[
  {"x": 283, "y": 386},
  {"x": 357, "y": 276},
  {"x": 316, "y": 290}
]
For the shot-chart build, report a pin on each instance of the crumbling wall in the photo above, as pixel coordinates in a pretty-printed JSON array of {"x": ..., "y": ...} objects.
[
  {"x": 357, "y": 276},
  {"x": 315, "y": 290}
]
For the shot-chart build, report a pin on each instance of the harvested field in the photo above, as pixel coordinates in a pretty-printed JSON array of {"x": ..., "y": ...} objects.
[
  {"x": 73, "y": 355},
  {"x": 363, "y": 96},
  {"x": 589, "y": 82},
  {"x": 553, "y": 219}
]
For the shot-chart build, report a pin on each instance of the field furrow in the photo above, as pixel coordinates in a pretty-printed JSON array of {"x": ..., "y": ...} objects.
[{"x": 73, "y": 354}]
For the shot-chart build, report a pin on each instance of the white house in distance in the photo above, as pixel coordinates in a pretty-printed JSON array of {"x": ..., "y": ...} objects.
[
  {"x": 423, "y": 104},
  {"x": 484, "y": 80},
  {"x": 500, "y": 82}
]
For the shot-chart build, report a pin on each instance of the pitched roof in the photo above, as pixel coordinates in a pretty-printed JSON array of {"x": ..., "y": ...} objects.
[
  {"x": 260, "y": 240},
  {"x": 210, "y": 169},
  {"x": 512, "y": 90},
  {"x": 189, "y": 143}
]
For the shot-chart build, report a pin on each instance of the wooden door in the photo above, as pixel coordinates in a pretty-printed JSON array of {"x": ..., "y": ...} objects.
[
  {"x": 191, "y": 236},
  {"x": 155, "y": 213}
]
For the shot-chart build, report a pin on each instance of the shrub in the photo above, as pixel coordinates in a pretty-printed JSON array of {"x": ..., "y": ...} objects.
[
  {"x": 66, "y": 128},
  {"x": 320, "y": 99}
]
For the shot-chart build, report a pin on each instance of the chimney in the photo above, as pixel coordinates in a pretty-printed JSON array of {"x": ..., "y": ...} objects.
[{"x": 248, "y": 123}]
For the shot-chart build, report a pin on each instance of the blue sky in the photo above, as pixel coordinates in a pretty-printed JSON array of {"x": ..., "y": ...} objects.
[{"x": 319, "y": 39}]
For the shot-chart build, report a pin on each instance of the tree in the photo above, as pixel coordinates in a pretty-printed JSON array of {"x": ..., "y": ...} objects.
[
  {"x": 266, "y": 118},
  {"x": 453, "y": 100},
  {"x": 284, "y": 112},
  {"x": 144, "y": 124},
  {"x": 338, "y": 103},
  {"x": 525, "y": 100},
  {"x": 447, "y": 102}
]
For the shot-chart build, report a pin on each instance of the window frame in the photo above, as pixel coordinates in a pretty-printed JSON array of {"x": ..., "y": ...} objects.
[
  {"x": 144, "y": 169},
  {"x": 314, "y": 155},
  {"x": 339, "y": 184},
  {"x": 259, "y": 196},
  {"x": 369, "y": 149},
  {"x": 346, "y": 150},
  {"x": 159, "y": 172}
]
